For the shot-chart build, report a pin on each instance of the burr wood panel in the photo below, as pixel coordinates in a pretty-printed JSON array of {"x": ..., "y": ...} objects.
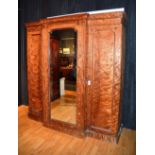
[
  {"x": 105, "y": 69},
  {"x": 34, "y": 87},
  {"x": 103, "y": 51}
]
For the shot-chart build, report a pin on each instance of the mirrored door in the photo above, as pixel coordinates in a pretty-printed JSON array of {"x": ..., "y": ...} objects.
[{"x": 63, "y": 75}]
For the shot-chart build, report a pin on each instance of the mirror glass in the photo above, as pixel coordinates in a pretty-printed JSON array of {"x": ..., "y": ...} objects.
[{"x": 63, "y": 75}]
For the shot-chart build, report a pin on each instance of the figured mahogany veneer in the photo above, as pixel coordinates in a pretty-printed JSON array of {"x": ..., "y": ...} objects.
[
  {"x": 100, "y": 50},
  {"x": 33, "y": 72}
]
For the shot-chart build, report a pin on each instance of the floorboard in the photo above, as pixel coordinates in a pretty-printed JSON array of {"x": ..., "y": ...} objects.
[{"x": 35, "y": 139}]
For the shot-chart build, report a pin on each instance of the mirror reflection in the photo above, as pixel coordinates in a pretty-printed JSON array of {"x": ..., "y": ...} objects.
[{"x": 63, "y": 75}]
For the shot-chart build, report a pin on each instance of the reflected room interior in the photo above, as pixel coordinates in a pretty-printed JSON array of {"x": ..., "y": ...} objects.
[{"x": 63, "y": 75}]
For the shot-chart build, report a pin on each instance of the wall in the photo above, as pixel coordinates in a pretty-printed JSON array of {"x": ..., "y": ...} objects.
[{"x": 32, "y": 10}]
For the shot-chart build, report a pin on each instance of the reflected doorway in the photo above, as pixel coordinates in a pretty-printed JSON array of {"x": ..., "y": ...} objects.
[{"x": 63, "y": 75}]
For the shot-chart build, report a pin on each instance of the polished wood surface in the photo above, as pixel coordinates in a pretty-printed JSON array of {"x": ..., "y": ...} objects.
[
  {"x": 34, "y": 138},
  {"x": 100, "y": 59},
  {"x": 64, "y": 108},
  {"x": 103, "y": 51},
  {"x": 104, "y": 69},
  {"x": 33, "y": 69},
  {"x": 105, "y": 59}
]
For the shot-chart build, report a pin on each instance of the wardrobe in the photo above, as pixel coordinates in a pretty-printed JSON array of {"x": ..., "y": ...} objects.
[{"x": 100, "y": 50}]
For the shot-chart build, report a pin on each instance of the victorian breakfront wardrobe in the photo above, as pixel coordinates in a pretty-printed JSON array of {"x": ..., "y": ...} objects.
[{"x": 99, "y": 71}]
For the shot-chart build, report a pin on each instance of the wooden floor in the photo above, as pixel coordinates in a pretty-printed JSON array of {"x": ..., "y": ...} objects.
[
  {"x": 64, "y": 108},
  {"x": 35, "y": 139}
]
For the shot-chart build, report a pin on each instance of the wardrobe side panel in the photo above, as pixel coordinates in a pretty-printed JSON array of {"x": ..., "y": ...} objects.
[{"x": 33, "y": 71}]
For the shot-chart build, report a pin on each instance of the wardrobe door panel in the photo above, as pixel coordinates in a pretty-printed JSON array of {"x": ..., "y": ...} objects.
[
  {"x": 33, "y": 62},
  {"x": 103, "y": 54}
]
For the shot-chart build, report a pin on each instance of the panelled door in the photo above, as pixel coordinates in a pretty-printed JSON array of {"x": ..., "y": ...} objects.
[{"x": 104, "y": 92}]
